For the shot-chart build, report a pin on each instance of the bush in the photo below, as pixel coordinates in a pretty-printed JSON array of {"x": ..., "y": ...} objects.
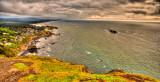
[
  {"x": 6, "y": 51},
  {"x": 20, "y": 66},
  {"x": 6, "y": 30}
]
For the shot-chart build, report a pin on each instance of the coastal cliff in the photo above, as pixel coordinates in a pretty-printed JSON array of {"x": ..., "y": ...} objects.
[{"x": 44, "y": 69}]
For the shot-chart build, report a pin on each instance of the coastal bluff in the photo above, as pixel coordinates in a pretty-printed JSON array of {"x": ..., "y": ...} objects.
[{"x": 35, "y": 68}]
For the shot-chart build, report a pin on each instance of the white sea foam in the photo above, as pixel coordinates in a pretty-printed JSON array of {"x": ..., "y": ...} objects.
[{"x": 88, "y": 52}]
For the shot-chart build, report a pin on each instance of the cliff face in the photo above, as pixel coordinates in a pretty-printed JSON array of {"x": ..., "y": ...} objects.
[{"x": 44, "y": 69}]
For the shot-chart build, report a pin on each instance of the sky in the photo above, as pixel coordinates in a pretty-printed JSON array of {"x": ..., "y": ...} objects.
[{"x": 82, "y": 9}]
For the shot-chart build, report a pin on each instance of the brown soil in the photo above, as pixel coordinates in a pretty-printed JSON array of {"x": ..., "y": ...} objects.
[
  {"x": 10, "y": 74},
  {"x": 130, "y": 77},
  {"x": 89, "y": 79},
  {"x": 136, "y": 78}
]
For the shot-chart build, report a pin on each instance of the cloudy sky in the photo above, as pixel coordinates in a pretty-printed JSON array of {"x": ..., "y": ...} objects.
[{"x": 82, "y": 9}]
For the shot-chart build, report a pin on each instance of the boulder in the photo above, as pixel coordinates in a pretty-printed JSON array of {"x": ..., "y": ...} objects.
[
  {"x": 112, "y": 31},
  {"x": 32, "y": 49}
]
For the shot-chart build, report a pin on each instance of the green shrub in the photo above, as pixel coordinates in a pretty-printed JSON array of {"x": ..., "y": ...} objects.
[
  {"x": 6, "y": 30},
  {"x": 6, "y": 51},
  {"x": 20, "y": 66},
  {"x": 15, "y": 45},
  {"x": 32, "y": 77}
]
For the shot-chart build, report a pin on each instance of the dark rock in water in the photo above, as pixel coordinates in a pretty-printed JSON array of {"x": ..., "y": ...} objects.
[
  {"x": 43, "y": 47},
  {"x": 52, "y": 43},
  {"x": 50, "y": 28},
  {"x": 113, "y": 31},
  {"x": 55, "y": 27},
  {"x": 57, "y": 34},
  {"x": 49, "y": 34},
  {"x": 32, "y": 49}
]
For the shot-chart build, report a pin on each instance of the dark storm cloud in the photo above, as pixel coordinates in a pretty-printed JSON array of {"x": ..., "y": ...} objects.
[
  {"x": 137, "y": 0},
  {"x": 138, "y": 12},
  {"x": 157, "y": 0},
  {"x": 101, "y": 4},
  {"x": 80, "y": 9}
]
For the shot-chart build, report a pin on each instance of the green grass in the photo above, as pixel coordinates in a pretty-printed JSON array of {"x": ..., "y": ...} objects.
[
  {"x": 52, "y": 70},
  {"x": 57, "y": 67},
  {"x": 72, "y": 78},
  {"x": 31, "y": 77},
  {"x": 14, "y": 45},
  {"x": 6, "y": 34},
  {"x": 6, "y": 30},
  {"x": 20, "y": 66}
]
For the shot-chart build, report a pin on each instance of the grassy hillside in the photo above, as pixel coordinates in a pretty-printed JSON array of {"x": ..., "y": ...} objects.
[
  {"x": 14, "y": 40},
  {"x": 44, "y": 69}
]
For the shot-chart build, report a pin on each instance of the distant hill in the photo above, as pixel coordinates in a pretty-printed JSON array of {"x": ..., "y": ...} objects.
[{"x": 27, "y": 19}]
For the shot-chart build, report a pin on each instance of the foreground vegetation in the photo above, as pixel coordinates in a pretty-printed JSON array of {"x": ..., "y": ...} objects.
[{"x": 44, "y": 69}]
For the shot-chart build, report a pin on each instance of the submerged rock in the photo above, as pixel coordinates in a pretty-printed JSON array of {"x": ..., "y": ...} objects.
[
  {"x": 48, "y": 28},
  {"x": 57, "y": 34},
  {"x": 113, "y": 31},
  {"x": 43, "y": 47},
  {"x": 52, "y": 43}
]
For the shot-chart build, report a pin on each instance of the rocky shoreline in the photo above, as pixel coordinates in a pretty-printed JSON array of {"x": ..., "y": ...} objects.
[{"x": 35, "y": 41}]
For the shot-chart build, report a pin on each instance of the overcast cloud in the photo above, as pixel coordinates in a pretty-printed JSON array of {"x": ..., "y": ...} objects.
[{"x": 82, "y": 9}]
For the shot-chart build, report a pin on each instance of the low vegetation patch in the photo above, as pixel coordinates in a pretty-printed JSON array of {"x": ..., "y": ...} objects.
[
  {"x": 6, "y": 51},
  {"x": 20, "y": 66},
  {"x": 52, "y": 70}
]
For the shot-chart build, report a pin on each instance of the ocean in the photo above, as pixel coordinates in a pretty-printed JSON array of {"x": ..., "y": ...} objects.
[{"x": 135, "y": 48}]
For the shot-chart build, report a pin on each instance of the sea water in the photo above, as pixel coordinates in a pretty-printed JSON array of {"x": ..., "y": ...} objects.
[{"x": 135, "y": 48}]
